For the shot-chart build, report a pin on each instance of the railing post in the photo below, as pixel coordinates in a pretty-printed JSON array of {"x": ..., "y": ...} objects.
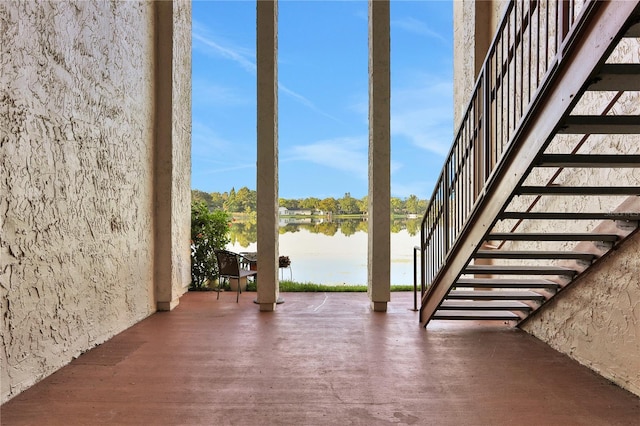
[
  {"x": 487, "y": 120},
  {"x": 562, "y": 26},
  {"x": 445, "y": 204},
  {"x": 416, "y": 249}
]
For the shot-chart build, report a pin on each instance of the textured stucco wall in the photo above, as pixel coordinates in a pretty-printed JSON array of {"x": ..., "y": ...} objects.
[
  {"x": 76, "y": 178},
  {"x": 597, "y": 322},
  {"x": 463, "y": 57},
  {"x": 470, "y": 46},
  {"x": 172, "y": 152},
  {"x": 181, "y": 181}
]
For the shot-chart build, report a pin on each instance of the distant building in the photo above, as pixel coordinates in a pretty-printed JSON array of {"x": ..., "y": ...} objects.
[{"x": 283, "y": 211}]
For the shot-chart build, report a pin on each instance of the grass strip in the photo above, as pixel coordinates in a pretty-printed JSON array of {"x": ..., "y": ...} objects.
[{"x": 294, "y": 286}]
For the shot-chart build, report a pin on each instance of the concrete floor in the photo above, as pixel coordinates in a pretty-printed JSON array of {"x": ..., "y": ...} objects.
[{"x": 320, "y": 359}]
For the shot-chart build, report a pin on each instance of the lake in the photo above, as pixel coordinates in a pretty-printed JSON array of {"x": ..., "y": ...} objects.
[{"x": 333, "y": 252}]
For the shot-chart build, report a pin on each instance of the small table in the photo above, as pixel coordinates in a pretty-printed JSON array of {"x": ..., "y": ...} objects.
[{"x": 252, "y": 259}]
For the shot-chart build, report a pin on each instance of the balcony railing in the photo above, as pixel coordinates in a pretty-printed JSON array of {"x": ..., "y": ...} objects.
[{"x": 519, "y": 64}]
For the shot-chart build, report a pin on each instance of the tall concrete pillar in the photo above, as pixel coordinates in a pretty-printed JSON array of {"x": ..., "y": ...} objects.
[
  {"x": 172, "y": 152},
  {"x": 379, "y": 251},
  {"x": 267, "y": 185}
]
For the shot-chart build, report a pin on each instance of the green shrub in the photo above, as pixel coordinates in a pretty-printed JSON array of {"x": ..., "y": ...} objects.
[{"x": 209, "y": 232}]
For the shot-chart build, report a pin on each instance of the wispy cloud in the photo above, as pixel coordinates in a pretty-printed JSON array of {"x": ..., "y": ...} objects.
[
  {"x": 420, "y": 188},
  {"x": 423, "y": 115},
  {"x": 206, "y": 140},
  {"x": 242, "y": 57},
  {"x": 214, "y": 154},
  {"x": 209, "y": 93},
  {"x": 344, "y": 154},
  {"x": 417, "y": 27}
]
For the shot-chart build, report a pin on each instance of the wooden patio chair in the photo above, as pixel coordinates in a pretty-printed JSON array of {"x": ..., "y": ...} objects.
[{"x": 231, "y": 266}]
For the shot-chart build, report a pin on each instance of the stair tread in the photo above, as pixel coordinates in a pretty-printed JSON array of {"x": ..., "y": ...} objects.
[
  {"x": 484, "y": 305},
  {"x": 588, "y": 160},
  {"x": 601, "y": 124},
  {"x": 494, "y": 295},
  {"x": 479, "y": 315},
  {"x": 578, "y": 190},
  {"x": 518, "y": 269},
  {"x": 547, "y": 236},
  {"x": 617, "y": 77},
  {"x": 633, "y": 31},
  {"x": 505, "y": 283},
  {"x": 569, "y": 216},
  {"x": 533, "y": 254}
]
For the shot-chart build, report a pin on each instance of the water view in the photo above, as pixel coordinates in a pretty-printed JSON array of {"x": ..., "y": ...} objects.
[{"x": 332, "y": 252}]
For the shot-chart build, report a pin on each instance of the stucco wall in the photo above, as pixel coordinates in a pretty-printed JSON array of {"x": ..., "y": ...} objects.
[
  {"x": 76, "y": 178},
  {"x": 181, "y": 135},
  {"x": 597, "y": 322},
  {"x": 470, "y": 46}
]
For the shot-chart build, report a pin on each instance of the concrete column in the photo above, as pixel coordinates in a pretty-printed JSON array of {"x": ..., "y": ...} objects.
[
  {"x": 379, "y": 251},
  {"x": 172, "y": 153},
  {"x": 267, "y": 185}
]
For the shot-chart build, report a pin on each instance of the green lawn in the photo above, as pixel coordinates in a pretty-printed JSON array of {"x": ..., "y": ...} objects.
[{"x": 293, "y": 286}]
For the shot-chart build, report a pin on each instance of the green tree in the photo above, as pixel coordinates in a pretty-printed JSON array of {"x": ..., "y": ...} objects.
[
  {"x": 363, "y": 204},
  {"x": 209, "y": 232},
  {"x": 289, "y": 204},
  {"x": 397, "y": 205},
  {"x": 246, "y": 200},
  {"x": 217, "y": 201},
  {"x": 310, "y": 203},
  {"x": 197, "y": 195},
  {"x": 348, "y": 204},
  {"x": 328, "y": 205},
  {"x": 412, "y": 204},
  {"x": 231, "y": 203}
]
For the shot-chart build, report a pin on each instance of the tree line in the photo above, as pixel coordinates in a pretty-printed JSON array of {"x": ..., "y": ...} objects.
[{"x": 244, "y": 201}]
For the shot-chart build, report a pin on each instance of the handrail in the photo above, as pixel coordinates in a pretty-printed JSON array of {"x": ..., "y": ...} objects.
[
  {"x": 518, "y": 64},
  {"x": 416, "y": 250}
]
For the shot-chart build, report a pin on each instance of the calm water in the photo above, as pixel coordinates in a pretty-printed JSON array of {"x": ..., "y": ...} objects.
[{"x": 333, "y": 253}]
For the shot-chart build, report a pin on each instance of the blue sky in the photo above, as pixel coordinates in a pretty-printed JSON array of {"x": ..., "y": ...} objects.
[{"x": 323, "y": 95}]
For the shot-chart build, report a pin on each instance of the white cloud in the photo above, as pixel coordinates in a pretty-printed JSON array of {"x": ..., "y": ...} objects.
[
  {"x": 421, "y": 189},
  {"x": 207, "y": 93},
  {"x": 242, "y": 56},
  {"x": 423, "y": 114},
  {"x": 345, "y": 154},
  {"x": 418, "y": 27},
  {"x": 206, "y": 140},
  {"x": 246, "y": 59}
]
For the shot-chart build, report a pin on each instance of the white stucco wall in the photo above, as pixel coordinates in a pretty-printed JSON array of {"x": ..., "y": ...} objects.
[
  {"x": 597, "y": 322},
  {"x": 470, "y": 46},
  {"x": 181, "y": 135},
  {"x": 76, "y": 178}
]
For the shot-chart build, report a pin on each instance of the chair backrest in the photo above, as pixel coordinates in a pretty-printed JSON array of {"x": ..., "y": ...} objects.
[{"x": 228, "y": 263}]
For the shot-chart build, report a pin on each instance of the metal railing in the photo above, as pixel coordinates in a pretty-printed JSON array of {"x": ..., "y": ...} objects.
[{"x": 526, "y": 48}]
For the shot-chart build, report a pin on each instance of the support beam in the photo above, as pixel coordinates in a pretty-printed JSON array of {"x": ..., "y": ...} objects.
[
  {"x": 267, "y": 133},
  {"x": 172, "y": 156},
  {"x": 379, "y": 250}
]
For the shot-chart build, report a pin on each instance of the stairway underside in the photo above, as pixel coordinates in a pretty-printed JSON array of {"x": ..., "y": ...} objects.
[{"x": 564, "y": 193}]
